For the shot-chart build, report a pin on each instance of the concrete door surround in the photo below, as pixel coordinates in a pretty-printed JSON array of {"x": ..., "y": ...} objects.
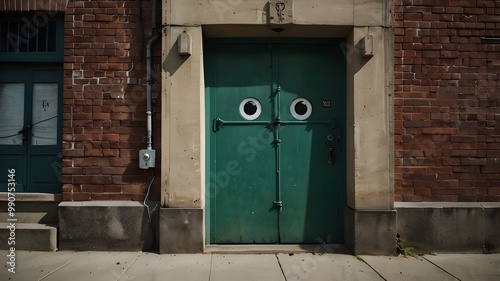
[{"x": 370, "y": 203}]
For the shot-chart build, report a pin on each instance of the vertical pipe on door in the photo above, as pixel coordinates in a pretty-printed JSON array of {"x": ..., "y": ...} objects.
[
  {"x": 278, "y": 147},
  {"x": 277, "y": 123},
  {"x": 278, "y": 201}
]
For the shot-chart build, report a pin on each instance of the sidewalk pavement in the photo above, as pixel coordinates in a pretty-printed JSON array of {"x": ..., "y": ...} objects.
[{"x": 110, "y": 266}]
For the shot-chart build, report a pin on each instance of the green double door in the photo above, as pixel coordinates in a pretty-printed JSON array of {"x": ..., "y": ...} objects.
[
  {"x": 276, "y": 157},
  {"x": 30, "y": 127}
]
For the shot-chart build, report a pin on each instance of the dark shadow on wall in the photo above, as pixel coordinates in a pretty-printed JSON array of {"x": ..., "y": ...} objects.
[{"x": 173, "y": 60}]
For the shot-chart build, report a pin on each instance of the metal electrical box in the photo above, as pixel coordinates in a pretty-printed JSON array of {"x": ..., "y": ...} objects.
[{"x": 147, "y": 158}]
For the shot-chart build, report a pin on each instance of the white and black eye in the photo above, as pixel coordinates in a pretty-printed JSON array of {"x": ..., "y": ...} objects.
[
  {"x": 301, "y": 108},
  {"x": 250, "y": 108}
]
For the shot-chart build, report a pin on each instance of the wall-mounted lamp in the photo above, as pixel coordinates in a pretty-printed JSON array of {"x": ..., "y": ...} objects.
[
  {"x": 184, "y": 44},
  {"x": 366, "y": 46}
]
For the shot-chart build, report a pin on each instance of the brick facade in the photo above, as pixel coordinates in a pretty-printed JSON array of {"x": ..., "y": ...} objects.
[
  {"x": 104, "y": 115},
  {"x": 447, "y": 100}
]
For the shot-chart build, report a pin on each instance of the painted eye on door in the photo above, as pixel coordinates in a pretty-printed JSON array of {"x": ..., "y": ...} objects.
[
  {"x": 301, "y": 108},
  {"x": 250, "y": 108}
]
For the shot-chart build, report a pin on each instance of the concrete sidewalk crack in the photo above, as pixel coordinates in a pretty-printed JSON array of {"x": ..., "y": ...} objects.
[
  {"x": 369, "y": 265},
  {"x": 281, "y": 267},
  {"x": 57, "y": 269},
  {"x": 128, "y": 267},
  {"x": 211, "y": 264},
  {"x": 436, "y": 265}
]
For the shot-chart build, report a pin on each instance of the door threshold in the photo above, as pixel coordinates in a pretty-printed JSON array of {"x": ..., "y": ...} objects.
[{"x": 276, "y": 249}]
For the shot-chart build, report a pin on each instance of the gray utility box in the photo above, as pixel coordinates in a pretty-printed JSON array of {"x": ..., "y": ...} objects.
[{"x": 147, "y": 158}]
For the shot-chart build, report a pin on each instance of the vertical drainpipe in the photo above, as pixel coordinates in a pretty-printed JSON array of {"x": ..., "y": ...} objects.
[{"x": 151, "y": 41}]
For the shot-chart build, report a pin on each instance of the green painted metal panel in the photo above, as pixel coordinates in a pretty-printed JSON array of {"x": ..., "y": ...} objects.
[
  {"x": 271, "y": 173},
  {"x": 313, "y": 191},
  {"x": 242, "y": 193}
]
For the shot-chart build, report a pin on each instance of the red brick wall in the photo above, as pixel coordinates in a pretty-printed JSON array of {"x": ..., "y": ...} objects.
[
  {"x": 447, "y": 100},
  {"x": 104, "y": 119}
]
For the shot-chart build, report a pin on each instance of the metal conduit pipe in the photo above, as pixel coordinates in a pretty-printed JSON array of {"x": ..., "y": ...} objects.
[
  {"x": 148, "y": 75},
  {"x": 147, "y": 156}
]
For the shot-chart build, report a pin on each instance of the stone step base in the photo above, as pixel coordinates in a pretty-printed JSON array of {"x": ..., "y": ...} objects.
[
  {"x": 31, "y": 207},
  {"x": 29, "y": 236}
]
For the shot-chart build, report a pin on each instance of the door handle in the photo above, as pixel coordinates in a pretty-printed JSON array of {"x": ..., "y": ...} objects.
[
  {"x": 25, "y": 131},
  {"x": 331, "y": 156}
]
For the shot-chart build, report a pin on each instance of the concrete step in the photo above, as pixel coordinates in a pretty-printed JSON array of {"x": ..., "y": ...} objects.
[
  {"x": 28, "y": 236},
  {"x": 31, "y": 207}
]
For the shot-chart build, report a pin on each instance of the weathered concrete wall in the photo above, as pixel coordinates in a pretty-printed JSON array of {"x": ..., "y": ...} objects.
[
  {"x": 449, "y": 227},
  {"x": 107, "y": 226},
  {"x": 183, "y": 110},
  {"x": 255, "y": 12},
  {"x": 491, "y": 227},
  {"x": 370, "y": 232},
  {"x": 181, "y": 230},
  {"x": 369, "y": 141}
]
